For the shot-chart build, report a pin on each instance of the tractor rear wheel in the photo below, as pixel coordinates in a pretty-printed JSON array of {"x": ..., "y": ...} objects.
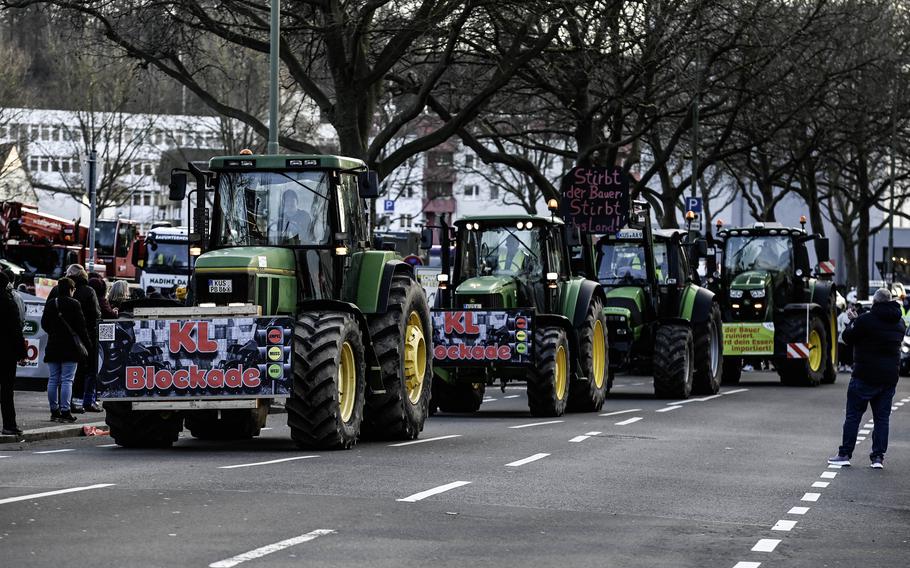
[
  {"x": 456, "y": 398},
  {"x": 674, "y": 365},
  {"x": 733, "y": 370},
  {"x": 831, "y": 353},
  {"x": 548, "y": 378},
  {"x": 325, "y": 406},
  {"x": 593, "y": 363},
  {"x": 709, "y": 349},
  {"x": 804, "y": 372},
  {"x": 142, "y": 428},
  {"x": 241, "y": 424},
  {"x": 401, "y": 339}
]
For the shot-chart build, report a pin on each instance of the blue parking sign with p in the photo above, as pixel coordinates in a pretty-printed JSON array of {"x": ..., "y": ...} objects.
[
  {"x": 693, "y": 204},
  {"x": 388, "y": 206}
]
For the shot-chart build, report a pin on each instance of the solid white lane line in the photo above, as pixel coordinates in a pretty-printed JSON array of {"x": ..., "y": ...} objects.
[
  {"x": 821, "y": 484},
  {"x": 621, "y": 412},
  {"x": 668, "y": 408},
  {"x": 424, "y": 440},
  {"x": 579, "y": 438},
  {"x": 766, "y": 545},
  {"x": 783, "y": 525},
  {"x": 811, "y": 497},
  {"x": 511, "y": 396},
  {"x": 747, "y": 565},
  {"x": 433, "y": 491},
  {"x": 107, "y": 446},
  {"x": 267, "y": 462},
  {"x": 55, "y": 451},
  {"x": 536, "y": 424},
  {"x": 269, "y": 549},
  {"x": 828, "y": 475},
  {"x": 52, "y": 493},
  {"x": 528, "y": 459},
  {"x": 734, "y": 391},
  {"x": 629, "y": 421},
  {"x": 865, "y": 432},
  {"x": 798, "y": 511}
]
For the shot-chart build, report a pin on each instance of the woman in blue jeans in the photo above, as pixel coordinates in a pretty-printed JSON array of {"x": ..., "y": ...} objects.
[{"x": 65, "y": 326}]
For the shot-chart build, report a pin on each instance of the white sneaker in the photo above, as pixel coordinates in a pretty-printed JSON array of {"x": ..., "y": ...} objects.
[{"x": 748, "y": 368}]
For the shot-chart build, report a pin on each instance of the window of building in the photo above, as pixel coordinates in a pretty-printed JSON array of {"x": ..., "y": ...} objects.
[
  {"x": 45, "y": 132},
  {"x": 407, "y": 221},
  {"x": 494, "y": 192},
  {"x": 33, "y": 163},
  {"x": 2, "y": 131},
  {"x": 137, "y": 169},
  {"x": 137, "y": 199},
  {"x": 146, "y": 199},
  {"x": 45, "y": 164},
  {"x": 55, "y": 164},
  {"x": 438, "y": 189},
  {"x": 159, "y": 137},
  {"x": 441, "y": 159},
  {"x": 66, "y": 165},
  {"x": 55, "y": 133},
  {"x": 471, "y": 192},
  {"x": 147, "y": 169},
  {"x": 469, "y": 161},
  {"x": 407, "y": 191},
  {"x": 35, "y": 132}
]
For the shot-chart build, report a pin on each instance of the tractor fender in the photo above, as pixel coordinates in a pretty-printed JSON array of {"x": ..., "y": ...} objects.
[
  {"x": 391, "y": 269},
  {"x": 701, "y": 307},
  {"x": 587, "y": 291},
  {"x": 824, "y": 293},
  {"x": 369, "y": 290},
  {"x": 556, "y": 320},
  {"x": 811, "y": 306},
  {"x": 374, "y": 379}
]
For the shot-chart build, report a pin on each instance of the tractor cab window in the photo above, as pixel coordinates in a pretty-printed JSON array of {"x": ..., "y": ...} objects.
[
  {"x": 274, "y": 208},
  {"x": 661, "y": 263},
  {"x": 555, "y": 253},
  {"x": 758, "y": 252},
  {"x": 501, "y": 251},
  {"x": 621, "y": 263}
]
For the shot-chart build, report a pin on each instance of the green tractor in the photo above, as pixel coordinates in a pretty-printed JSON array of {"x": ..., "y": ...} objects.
[
  {"x": 337, "y": 329},
  {"x": 775, "y": 307},
  {"x": 512, "y": 310},
  {"x": 660, "y": 321}
]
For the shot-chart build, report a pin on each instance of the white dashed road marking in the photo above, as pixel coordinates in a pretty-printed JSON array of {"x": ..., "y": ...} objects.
[
  {"x": 621, "y": 412},
  {"x": 833, "y": 466},
  {"x": 434, "y": 491},
  {"x": 864, "y": 431},
  {"x": 766, "y": 545},
  {"x": 511, "y": 396},
  {"x": 52, "y": 493},
  {"x": 821, "y": 484},
  {"x": 528, "y": 459},
  {"x": 811, "y": 497},
  {"x": 269, "y": 549},
  {"x": 536, "y": 424},
  {"x": 107, "y": 446},
  {"x": 55, "y": 451},
  {"x": 585, "y": 436},
  {"x": 629, "y": 421},
  {"x": 747, "y": 565},
  {"x": 798, "y": 511},
  {"x": 828, "y": 475},
  {"x": 266, "y": 462},
  {"x": 668, "y": 408},
  {"x": 424, "y": 440},
  {"x": 783, "y": 525}
]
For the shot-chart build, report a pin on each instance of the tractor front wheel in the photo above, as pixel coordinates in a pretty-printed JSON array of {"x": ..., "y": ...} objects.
[
  {"x": 674, "y": 365},
  {"x": 548, "y": 379},
  {"x": 325, "y": 406},
  {"x": 593, "y": 363}
]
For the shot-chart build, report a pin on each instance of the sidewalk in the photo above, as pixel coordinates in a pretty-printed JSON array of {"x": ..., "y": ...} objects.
[{"x": 33, "y": 416}]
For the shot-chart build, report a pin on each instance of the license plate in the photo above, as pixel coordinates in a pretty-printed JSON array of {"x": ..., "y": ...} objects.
[
  {"x": 220, "y": 287},
  {"x": 472, "y": 306}
]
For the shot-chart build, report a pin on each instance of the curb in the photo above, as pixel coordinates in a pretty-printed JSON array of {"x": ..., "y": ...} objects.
[{"x": 52, "y": 432}]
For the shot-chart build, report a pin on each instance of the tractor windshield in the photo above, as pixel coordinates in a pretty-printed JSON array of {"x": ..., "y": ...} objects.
[
  {"x": 758, "y": 252},
  {"x": 274, "y": 208},
  {"x": 501, "y": 251},
  {"x": 622, "y": 263}
]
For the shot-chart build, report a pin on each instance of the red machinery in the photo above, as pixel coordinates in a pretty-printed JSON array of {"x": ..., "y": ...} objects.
[
  {"x": 42, "y": 244},
  {"x": 113, "y": 243}
]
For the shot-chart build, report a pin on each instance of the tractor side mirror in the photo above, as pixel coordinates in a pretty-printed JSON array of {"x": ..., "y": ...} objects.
[
  {"x": 802, "y": 260},
  {"x": 177, "y": 186},
  {"x": 368, "y": 184},
  {"x": 426, "y": 238},
  {"x": 701, "y": 247},
  {"x": 822, "y": 252}
]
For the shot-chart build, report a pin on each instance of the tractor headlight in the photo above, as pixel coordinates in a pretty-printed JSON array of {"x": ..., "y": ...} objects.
[
  {"x": 905, "y": 349},
  {"x": 736, "y": 293},
  {"x": 760, "y": 293}
]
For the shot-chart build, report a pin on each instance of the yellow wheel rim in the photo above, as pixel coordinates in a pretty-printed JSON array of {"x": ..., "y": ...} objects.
[
  {"x": 832, "y": 319},
  {"x": 599, "y": 353},
  {"x": 415, "y": 357},
  {"x": 815, "y": 351},
  {"x": 347, "y": 382},
  {"x": 561, "y": 372}
]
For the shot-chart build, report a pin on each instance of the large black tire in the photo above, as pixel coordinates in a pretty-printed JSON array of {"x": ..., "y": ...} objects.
[
  {"x": 588, "y": 395},
  {"x": 733, "y": 370},
  {"x": 709, "y": 354},
  {"x": 674, "y": 365},
  {"x": 142, "y": 428},
  {"x": 456, "y": 398},
  {"x": 316, "y": 405},
  {"x": 241, "y": 424},
  {"x": 400, "y": 412},
  {"x": 799, "y": 372},
  {"x": 547, "y": 393}
]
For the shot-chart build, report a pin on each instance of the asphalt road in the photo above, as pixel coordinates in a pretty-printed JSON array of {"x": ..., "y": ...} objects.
[{"x": 736, "y": 480}]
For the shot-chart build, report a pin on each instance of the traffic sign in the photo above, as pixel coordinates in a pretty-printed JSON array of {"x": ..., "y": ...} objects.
[
  {"x": 388, "y": 206},
  {"x": 693, "y": 204}
]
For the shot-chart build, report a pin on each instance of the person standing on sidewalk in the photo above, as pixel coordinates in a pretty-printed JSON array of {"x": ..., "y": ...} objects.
[
  {"x": 67, "y": 341},
  {"x": 875, "y": 338},
  {"x": 13, "y": 352}
]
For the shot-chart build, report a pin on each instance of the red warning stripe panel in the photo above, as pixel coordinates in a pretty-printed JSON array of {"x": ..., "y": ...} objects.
[
  {"x": 798, "y": 351},
  {"x": 826, "y": 267}
]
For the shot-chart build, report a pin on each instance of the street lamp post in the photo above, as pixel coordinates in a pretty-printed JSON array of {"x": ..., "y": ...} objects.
[{"x": 274, "y": 40}]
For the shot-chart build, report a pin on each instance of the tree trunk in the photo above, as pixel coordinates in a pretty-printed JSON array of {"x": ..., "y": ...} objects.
[{"x": 862, "y": 254}]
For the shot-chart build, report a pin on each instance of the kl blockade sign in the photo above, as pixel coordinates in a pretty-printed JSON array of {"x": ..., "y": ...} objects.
[
  {"x": 482, "y": 337},
  {"x": 220, "y": 357},
  {"x": 596, "y": 199}
]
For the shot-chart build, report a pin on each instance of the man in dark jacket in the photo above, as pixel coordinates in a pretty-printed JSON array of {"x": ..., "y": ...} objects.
[
  {"x": 13, "y": 352},
  {"x": 875, "y": 338},
  {"x": 84, "y": 385}
]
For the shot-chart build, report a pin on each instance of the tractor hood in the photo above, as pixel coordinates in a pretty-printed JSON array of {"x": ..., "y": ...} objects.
[
  {"x": 485, "y": 285},
  {"x": 488, "y": 292},
  {"x": 752, "y": 280},
  {"x": 624, "y": 295},
  {"x": 259, "y": 260}
]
